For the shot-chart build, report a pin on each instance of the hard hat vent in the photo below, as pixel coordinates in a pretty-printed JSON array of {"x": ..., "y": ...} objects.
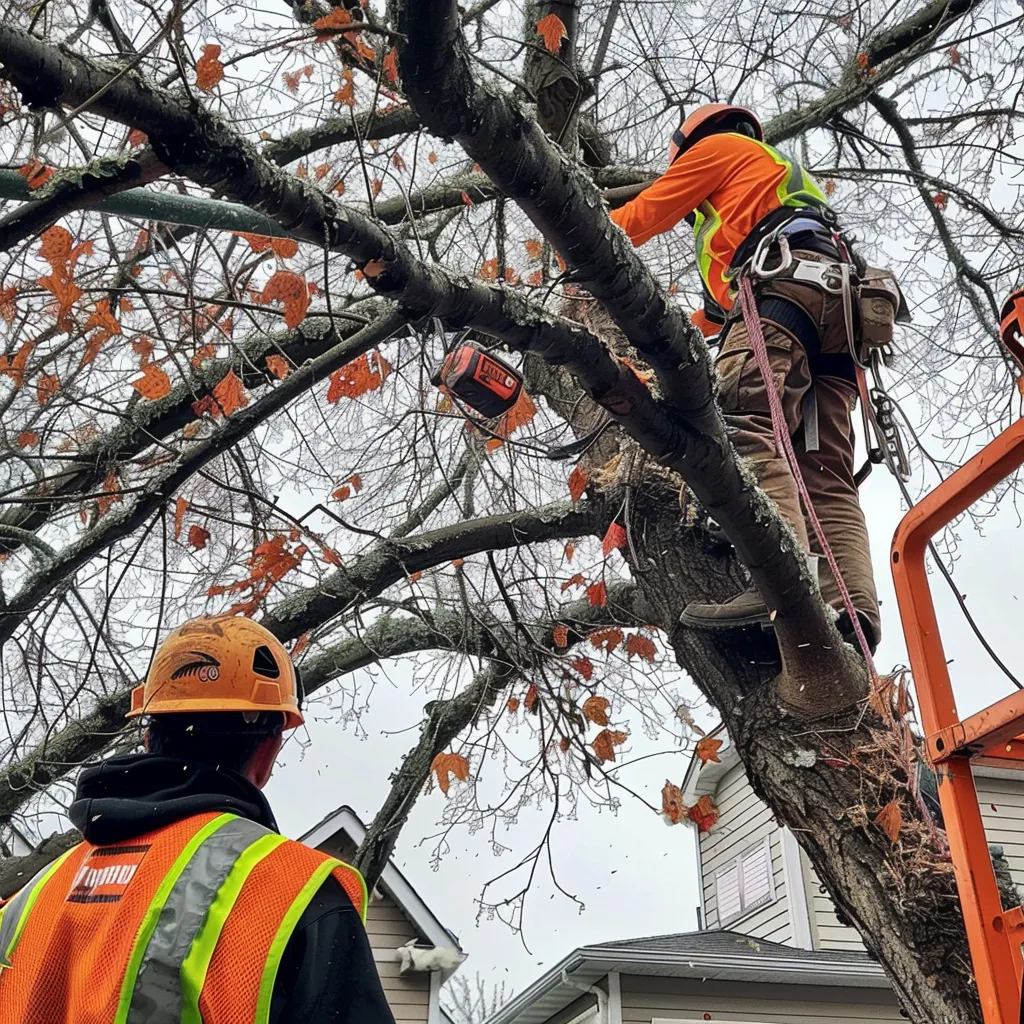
[{"x": 264, "y": 663}]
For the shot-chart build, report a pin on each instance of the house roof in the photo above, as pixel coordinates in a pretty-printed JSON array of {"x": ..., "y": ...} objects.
[
  {"x": 708, "y": 955},
  {"x": 392, "y": 881}
]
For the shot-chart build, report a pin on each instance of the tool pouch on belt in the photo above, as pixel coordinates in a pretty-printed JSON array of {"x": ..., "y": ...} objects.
[{"x": 881, "y": 304}]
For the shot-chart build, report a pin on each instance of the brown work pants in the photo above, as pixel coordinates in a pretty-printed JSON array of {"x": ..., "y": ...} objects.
[{"x": 827, "y": 472}]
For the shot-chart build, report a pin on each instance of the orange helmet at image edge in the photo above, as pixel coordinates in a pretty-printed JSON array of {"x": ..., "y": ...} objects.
[
  {"x": 220, "y": 664},
  {"x": 724, "y": 114}
]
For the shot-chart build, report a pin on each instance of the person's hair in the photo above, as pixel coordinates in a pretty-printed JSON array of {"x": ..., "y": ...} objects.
[{"x": 224, "y": 739}]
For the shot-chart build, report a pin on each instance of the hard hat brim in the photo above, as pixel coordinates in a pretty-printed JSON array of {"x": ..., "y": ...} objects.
[{"x": 293, "y": 717}]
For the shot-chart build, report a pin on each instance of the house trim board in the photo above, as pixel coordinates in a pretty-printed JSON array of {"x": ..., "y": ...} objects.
[
  {"x": 614, "y": 998},
  {"x": 796, "y": 891},
  {"x": 434, "y": 999}
]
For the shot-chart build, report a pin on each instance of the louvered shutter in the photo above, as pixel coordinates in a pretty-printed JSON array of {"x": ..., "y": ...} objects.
[
  {"x": 757, "y": 886},
  {"x": 727, "y": 891}
]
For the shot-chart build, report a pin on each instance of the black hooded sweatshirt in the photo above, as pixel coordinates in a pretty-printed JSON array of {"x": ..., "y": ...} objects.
[{"x": 327, "y": 974}]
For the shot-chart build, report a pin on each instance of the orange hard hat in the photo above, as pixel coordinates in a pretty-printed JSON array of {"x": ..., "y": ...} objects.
[
  {"x": 712, "y": 117},
  {"x": 224, "y": 663},
  {"x": 1011, "y": 325}
]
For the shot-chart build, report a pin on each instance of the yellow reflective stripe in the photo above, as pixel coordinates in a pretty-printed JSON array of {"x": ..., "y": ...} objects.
[
  {"x": 705, "y": 226},
  {"x": 29, "y": 903},
  {"x": 283, "y": 934},
  {"x": 149, "y": 922},
  {"x": 196, "y": 965}
]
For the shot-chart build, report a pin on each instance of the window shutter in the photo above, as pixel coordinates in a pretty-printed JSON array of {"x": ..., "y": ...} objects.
[
  {"x": 757, "y": 883},
  {"x": 727, "y": 891}
]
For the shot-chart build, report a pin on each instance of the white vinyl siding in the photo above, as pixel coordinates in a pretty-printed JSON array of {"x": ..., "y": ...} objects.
[
  {"x": 744, "y": 823},
  {"x": 826, "y": 931},
  {"x": 647, "y": 999},
  {"x": 1002, "y": 810},
  {"x": 745, "y": 884}
]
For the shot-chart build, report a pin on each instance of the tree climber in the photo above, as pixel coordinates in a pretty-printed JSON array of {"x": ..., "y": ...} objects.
[
  {"x": 744, "y": 199},
  {"x": 184, "y": 903}
]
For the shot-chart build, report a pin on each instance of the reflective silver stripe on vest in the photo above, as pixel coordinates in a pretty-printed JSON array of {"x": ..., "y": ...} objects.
[
  {"x": 13, "y": 910},
  {"x": 156, "y": 998}
]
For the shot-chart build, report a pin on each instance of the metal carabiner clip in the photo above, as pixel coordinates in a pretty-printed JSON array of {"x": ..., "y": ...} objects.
[{"x": 761, "y": 253}]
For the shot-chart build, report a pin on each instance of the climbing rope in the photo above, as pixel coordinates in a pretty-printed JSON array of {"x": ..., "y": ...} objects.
[{"x": 784, "y": 443}]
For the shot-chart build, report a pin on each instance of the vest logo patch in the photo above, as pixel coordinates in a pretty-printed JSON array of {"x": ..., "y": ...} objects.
[{"x": 105, "y": 874}]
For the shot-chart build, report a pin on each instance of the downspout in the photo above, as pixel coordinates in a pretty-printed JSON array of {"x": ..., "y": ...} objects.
[{"x": 602, "y": 998}]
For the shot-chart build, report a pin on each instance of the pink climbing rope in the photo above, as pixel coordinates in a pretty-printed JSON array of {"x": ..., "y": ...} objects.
[{"x": 784, "y": 443}]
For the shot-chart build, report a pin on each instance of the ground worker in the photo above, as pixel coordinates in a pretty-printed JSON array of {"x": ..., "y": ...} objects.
[
  {"x": 737, "y": 192},
  {"x": 183, "y": 903}
]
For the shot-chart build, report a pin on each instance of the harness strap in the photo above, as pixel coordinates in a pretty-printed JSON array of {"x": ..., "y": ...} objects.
[{"x": 785, "y": 444}]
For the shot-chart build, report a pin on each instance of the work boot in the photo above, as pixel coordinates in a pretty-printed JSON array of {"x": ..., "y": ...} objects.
[{"x": 746, "y": 609}]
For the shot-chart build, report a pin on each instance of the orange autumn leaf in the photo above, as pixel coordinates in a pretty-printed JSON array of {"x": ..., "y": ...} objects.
[
  {"x": 535, "y": 279},
  {"x": 137, "y": 138},
  {"x": 209, "y": 70},
  {"x": 367, "y": 373},
  {"x": 641, "y": 646},
  {"x": 595, "y": 709},
  {"x": 391, "y": 65},
  {"x": 707, "y": 750},
  {"x": 398, "y": 161},
  {"x": 444, "y": 766},
  {"x": 672, "y": 809},
  {"x": 347, "y": 93},
  {"x": 27, "y": 439},
  {"x": 530, "y": 700},
  {"x": 283, "y": 247},
  {"x": 332, "y": 557},
  {"x": 890, "y": 820},
  {"x": 230, "y": 394},
  {"x": 290, "y": 290},
  {"x": 578, "y": 480},
  {"x": 552, "y": 30},
  {"x": 606, "y": 639},
  {"x": 489, "y": 270},
  {"x": 560, "y": 635},
  {"x": 939, "y": 199},
  {"x": 192, "y": 430},
  {"x": 575, "y": 580},
  {"x": 321, "y": 171},
  {"x": 107, "y": 327},
  {"x": 703, "y": 813},
  {"x": 606, "y": 741},
  {"x": 291, "y": 80},
  {"x": 111, "y": 493},
  {"x": 583, "y": 665},
  {"x": 278, "y": 366},
  {"x": 415, "y": 577},
  {"x": 198, "y": 537},
  {"x": 330, "y": 24},
  {"x": 614, "y": 538},
  {"x": 153, "y": 383},
  {"x": 46, "y": 387},
  {"x": 270, "y": 561},
  {"x": 466, "y": 199},
  {"x": 300, "y": 645},
  {"x": 374, "y": 268},
  {"x": 15, "y": 366},
  {"x": 206, "y": 352},
  {"x": 180, "y": 508},
  {"x": 57, "y": 250},
  {"x": 7, "y": 308},
  {"x": 432, "y": 157},
  {"x": 512, "y": 705},
  {"x": 533, "y": 248},
  {"x": 36, "y": 174},
  {"x": 597, "y": 594},
  {"x": 862, "y": 61},
  {"x": 569, "y": 550}
]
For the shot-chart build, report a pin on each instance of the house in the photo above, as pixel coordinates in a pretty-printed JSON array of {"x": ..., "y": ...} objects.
[
  {"x": 415, "y": 954},
  {"x": 768, "y": 946}
]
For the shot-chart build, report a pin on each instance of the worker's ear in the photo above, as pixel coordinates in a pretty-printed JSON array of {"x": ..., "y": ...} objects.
[{"x": 261, "y": 764}]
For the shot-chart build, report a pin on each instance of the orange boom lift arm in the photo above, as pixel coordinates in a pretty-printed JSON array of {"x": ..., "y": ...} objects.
[{"x": 993, "y": 734}]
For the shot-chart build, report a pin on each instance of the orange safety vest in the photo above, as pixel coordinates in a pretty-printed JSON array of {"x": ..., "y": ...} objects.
[
  {"x": 186, "y": 924},
  {"x": 729, "y": 183}
]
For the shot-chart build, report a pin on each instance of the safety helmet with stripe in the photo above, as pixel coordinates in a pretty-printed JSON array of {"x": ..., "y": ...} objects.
[
  {"x": 223, "y": 663},
  {"x": 712, "y": 118}
]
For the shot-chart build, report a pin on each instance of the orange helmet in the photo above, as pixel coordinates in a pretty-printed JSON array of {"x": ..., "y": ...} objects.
[
  {"x": 711, "y": 118},
  {"x": 224, "y": 663},
  {"x": 1011, "y": 325}
]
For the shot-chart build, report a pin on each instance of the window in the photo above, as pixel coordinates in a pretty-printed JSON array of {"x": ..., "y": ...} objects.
[{"x": 745, "y": 883}]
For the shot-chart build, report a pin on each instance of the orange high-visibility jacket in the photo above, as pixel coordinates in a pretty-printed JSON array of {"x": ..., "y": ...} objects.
[
  {"x": 730, "y": 182},
  {"x": 183, "y": 925}
]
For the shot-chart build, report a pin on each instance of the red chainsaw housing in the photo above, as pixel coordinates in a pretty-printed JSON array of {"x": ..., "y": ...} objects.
[{"x": 482, "y": 381}]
